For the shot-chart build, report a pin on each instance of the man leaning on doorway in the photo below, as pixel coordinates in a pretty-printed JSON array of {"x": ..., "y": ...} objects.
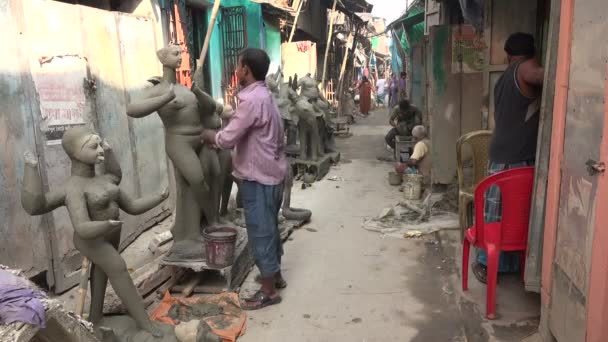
[{"x": 517, "y": 105}]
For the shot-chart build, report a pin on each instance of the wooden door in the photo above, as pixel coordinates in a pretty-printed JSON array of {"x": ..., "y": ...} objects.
[
  {"x": 500, "y": 22},
  {"x": 581, "y": 215}
]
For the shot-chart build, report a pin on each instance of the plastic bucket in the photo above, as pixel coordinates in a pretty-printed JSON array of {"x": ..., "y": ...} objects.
[
  {"x": 394, "y": 178},
  {"x": 220, "y": 244},
  {"x": 412, "y": 186}
]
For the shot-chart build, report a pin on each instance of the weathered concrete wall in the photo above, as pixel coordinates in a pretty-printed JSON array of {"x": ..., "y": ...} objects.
[
  {"x": 299, "y": 62},
  {"x": 119, "y": 50},
  {"x": 418, "y": 89},
  {"x": 17, "y": 134},
  {"x": 444, "y": 105},
  {"x": 577, "y": 206}
]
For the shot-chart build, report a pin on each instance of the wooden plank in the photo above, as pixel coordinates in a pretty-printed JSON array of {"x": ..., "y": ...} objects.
[
  {"x": 30, "y": 248},
  {"x": 191, "y": 284},
  {"x": 532, "y": 276}
]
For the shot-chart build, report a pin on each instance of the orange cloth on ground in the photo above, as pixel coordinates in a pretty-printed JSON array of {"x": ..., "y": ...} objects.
[{"x": 229, "y": 326}]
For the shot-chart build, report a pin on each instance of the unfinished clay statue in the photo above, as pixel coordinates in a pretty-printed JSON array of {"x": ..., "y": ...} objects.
[
  {"x": 93, "y": 202},
  {"x": 308, "y": 124},
  {"x": 183, "y": 113},
  {"x": 290, "y": 213},
  {"x": 284, "y": 96},
  {"x": 225, "y": 161},
  {"x": 310, "y": 90}
]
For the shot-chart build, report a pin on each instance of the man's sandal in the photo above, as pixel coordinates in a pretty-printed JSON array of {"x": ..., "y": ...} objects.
[
  {"x": 279, "y": 283},
  {"x": 259, "y": 300}
]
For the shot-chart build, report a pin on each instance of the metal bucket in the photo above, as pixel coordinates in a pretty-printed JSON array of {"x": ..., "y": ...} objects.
[
  {"x": 412, "y": 186},
  {"x": 394, "y": 178},
  {"x": 220, "y": 244}
]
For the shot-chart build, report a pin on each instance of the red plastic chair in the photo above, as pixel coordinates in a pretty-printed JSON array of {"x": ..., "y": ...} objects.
[{"x": 511, "y": 234}]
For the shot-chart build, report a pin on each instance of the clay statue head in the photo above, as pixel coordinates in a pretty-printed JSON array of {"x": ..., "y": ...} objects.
[
  {"x": 308, "y": 87},
  {"x": 170, "y": 56},
  {"x": 84, "y": 145},
  {"x": 272, "y": 84}
]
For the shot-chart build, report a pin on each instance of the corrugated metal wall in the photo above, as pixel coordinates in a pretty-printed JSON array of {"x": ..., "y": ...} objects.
[{"x": 119, "y": 50}]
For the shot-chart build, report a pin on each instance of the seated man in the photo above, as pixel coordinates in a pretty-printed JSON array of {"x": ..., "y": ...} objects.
[
  {"x": 404, "y": 118},
  {"x": 421, "y": 157},
  {"x": 420, "y": 161}
]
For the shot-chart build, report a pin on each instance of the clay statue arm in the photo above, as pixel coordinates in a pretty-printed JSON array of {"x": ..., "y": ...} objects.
[
  {"x": 140, "y": 205},
  {"x": 33, "y": 198},
  {"x": 206, "y": 103},
  {"x": 113, "y": 169},
  {"x": 244, "y": 117},
  {"x": 147, "y": 106},
  {"x": 83, "y": 226}
]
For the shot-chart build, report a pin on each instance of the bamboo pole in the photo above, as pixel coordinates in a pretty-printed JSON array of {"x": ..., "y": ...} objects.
[
  {"x": 340, "y": 87},
  {"x": 295, "y": 21},
  {"x": 216, "y": 8},
  {"x": 343, "y": 68},
  {"x": 329, "y": 40},
  {"x": 83, "y": 286}
]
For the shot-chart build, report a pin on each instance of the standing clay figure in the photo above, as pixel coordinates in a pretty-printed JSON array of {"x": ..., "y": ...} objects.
[
  {"x": 225, "y": 161},
  {"x": 288, "y": 212},
  {"x": 285, "y": 96},
  {"x": 93, "y": 202},
  {"x": 182, "y": 112},
  {"x": 308, "y": 125}
]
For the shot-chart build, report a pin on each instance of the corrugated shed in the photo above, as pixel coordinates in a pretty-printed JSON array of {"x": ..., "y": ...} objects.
[{"x": 413, "y": 33}]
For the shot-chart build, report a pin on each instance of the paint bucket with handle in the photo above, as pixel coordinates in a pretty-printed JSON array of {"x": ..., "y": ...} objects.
[{"x": 220, "y": 245}]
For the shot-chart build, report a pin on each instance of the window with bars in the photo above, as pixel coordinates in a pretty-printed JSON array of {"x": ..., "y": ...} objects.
[{"x": 234, "y": 40}]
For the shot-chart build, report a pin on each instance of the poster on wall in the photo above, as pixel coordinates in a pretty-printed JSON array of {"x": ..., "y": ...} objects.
[
  {"x": 469, "y": 47},
  {"x": 59, "y": 82}
]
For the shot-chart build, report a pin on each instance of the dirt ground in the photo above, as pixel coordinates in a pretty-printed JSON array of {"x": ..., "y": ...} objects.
[{"x": 350, "y": 284}]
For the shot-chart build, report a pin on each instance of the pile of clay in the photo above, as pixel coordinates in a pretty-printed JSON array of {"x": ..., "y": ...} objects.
[{"x": 185, "y": 313}]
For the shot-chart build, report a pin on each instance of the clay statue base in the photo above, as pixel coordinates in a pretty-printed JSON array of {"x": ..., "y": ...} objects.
[
  {"x": 186, "y": 250},
  {"x": 122, "y": 328},
  {"x": 317, "y": 168},
  {"x": 292, "y": 151},
  {"x": 234, "y": 274}
]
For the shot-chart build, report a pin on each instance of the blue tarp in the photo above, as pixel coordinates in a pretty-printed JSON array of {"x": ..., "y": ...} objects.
[{"x": 396, "y": 63}]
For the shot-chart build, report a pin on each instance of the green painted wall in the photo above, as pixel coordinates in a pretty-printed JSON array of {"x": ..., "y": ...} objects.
[
  {"x": 440, "y": 44},
  {"x": 273, "y": 45},
  {"x": 256, "y": 37}
]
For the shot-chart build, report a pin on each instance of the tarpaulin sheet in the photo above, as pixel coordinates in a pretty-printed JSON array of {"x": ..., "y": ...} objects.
[
  {"x": 472, "y": 11},
  {"x": 19, "y": 303},
  {"x": 229, "y": 324}
]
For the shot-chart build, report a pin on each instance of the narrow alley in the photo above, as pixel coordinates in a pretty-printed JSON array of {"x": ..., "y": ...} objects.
[
  {"x": 350, "y": 284},
  {"x": 431, "y": 170}
]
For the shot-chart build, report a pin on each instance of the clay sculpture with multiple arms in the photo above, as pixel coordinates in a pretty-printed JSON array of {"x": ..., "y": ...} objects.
[
  {"x": 184, "y": 112},
  {"x": 93, "y": 202}
]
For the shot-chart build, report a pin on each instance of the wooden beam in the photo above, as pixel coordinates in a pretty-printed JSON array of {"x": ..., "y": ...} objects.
[
  {"x": 329, "y": 40},
  {"x": 216, "y": 8},
  {"x": 342, "y": 70},
  {"x": 295, "y": 21}
]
